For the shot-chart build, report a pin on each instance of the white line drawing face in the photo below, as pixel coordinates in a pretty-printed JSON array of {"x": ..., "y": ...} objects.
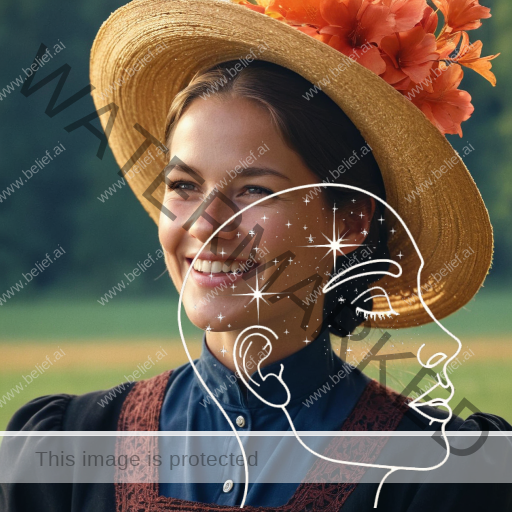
[{"x": 264, "y": 332}]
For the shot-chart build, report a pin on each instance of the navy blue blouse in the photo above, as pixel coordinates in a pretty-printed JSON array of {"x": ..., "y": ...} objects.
[{"x": 188, "y": 407}]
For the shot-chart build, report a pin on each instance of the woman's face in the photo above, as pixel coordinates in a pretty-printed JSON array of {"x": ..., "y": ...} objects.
[{"x": 211, "y": 139}]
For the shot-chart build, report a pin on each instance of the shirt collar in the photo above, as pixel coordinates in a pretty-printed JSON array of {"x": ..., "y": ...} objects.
[{"x": 304, "y": 371}]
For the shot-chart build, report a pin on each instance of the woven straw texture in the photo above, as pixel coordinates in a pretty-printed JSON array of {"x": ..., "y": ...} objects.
[{"x": 444, "y": 219}]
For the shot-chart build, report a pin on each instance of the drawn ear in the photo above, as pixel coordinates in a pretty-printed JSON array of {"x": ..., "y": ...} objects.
[{"x": 241, "y": 349}]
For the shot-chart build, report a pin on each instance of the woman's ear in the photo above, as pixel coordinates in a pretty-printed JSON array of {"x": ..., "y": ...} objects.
[{"x": 357, "y": 218}]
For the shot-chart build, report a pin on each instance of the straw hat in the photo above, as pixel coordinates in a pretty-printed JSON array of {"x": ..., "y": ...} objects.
[{"x": 163, "y": 43}]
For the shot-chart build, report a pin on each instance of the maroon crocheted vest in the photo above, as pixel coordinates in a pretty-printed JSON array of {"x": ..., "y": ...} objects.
[{"x": 378, "y": 409}]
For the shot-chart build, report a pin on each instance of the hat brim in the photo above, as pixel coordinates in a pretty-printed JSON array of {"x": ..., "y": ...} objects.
[{"x": 446, "y": 218}]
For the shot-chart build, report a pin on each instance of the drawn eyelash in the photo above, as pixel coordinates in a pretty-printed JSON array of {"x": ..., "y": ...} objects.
[{"x": 375, "y": 314}]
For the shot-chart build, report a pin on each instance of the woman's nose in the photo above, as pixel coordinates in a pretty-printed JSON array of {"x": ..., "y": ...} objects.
[{"x": 211, "y": 215}]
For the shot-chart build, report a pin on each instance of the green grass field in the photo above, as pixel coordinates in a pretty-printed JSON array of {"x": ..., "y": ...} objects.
[{"x": 102, "y": 344}]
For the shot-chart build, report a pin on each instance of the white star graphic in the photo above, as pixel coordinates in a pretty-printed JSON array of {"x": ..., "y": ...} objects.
[
  {"x": 257, "y": 294},
  {"x": 335, "y": 244}
]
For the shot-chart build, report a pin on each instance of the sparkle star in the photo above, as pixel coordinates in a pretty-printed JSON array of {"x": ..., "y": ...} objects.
[
  {"x": 306, "y": 200},
  {"x": 238, "y": 234},
  {"x": 361, "y": 215},
  {"x": 400, "y": 255},
  {"x": 287, "y": 331},
  {"x": 223, "y": 351},
  {"x": 252, "y": 233},
  {"x": 349, "y": 350},
  {"x": 306, "y": 341},
  {"x": 305, "y": 227},
  {"x": 233, "y": 286},
  {"x": 364, "y": 232},
  {"x": 264, "y": 218},
  {"x": 335, "y": 244},
  {"x": 208, "y": 328},
  {"x": 288, "y": 224},
  {"x": 393, "y": 231},
  {"x": 341, "y": 300},
  {"x": 257, "y": 294},
  {"x": 223, "y": 252},
  {"x": 381, "y": 220},
  {"x": 353, "y": 200},
  {"x": 220, "y": 317},
  {"x": 276, "y": 261},
  {"x": 311, "y": 239}
]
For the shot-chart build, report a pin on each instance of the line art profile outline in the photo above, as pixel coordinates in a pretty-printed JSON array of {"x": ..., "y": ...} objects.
[{"x": 431, "y": 362}]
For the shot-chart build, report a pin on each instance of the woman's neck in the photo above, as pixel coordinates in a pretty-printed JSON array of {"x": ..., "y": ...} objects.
[{"x": 291, "y": 339}]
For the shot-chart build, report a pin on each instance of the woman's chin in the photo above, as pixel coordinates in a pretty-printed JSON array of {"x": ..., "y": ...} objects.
[{"x": 218, "y": 318}]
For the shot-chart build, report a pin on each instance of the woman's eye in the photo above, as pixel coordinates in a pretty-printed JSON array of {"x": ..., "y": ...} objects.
[
  {"x": 181, "y": 185},
  {"x": 256, "y": 191}
]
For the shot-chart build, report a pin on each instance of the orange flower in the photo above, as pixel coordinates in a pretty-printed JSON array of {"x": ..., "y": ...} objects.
[
  {"x": 406, "y": 13},
  {"x": 462, "y": 14},
  {"x": 357, "y": 21},
  {"x": 396, "y": 40},
  {"x": 469, "y": 56},
  {"x": 429, "y": 20},
  {"x": 409, "y": 54},
  {"x": 355, "y": 27},
  {"x": 446, "y": 106},
  {"x": 295, "y": 12}
]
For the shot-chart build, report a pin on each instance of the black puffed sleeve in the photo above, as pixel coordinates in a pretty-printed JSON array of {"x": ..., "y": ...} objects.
[
  {"x": 484, "y": 422},
  {"x": 431, "y": 496},
  {"x": 45, "y": 413},
  {"x": 468, "y": 497}
]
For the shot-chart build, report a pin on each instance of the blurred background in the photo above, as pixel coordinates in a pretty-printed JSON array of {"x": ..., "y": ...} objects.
[{"x": 76, "y": 315}]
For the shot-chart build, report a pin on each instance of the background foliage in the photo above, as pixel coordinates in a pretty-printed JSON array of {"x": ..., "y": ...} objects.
[
  {"x": 59, "y": 206},
  {"x": 103, "y": 240}
]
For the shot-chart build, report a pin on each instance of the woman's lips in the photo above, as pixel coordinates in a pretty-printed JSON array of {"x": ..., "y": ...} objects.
[{"x": 210, "y": 279}]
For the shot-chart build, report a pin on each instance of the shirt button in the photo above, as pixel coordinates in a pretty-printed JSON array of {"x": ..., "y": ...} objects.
[
  {"x": 240, "y": 421},
  {"x": 228, "y": 485}
]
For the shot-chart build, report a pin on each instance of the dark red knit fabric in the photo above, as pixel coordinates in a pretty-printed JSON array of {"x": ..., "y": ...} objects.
[{"x": 378, "y": 409}]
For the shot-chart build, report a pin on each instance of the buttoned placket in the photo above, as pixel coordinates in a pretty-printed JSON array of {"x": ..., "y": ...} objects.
[{"x": 233, "y": 477}]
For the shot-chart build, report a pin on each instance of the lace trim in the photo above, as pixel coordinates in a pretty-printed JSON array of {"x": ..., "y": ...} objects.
[{"x": 378, "y": 409}]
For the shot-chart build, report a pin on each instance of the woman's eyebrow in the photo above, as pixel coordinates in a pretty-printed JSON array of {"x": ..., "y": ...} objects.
[
  {"x": 182, "y": 166},
  {"x": 247, "y": 172},
  {"x": 252, "y": 172}
]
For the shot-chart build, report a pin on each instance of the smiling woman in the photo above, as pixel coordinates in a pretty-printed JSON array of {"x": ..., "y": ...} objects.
[
  {"x": 271, "y": 257},
  {"x": 261, "y": 107}
]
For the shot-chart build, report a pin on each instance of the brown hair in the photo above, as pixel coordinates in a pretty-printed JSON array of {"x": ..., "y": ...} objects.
[
  {"x": 311, "y": 124},
  {"x": 315, "y": 128}
]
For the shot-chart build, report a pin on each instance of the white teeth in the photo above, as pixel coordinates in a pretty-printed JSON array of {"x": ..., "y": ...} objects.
[
  {"x": 207, "y": 266},
  {"x": 216, "y": 266}
]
